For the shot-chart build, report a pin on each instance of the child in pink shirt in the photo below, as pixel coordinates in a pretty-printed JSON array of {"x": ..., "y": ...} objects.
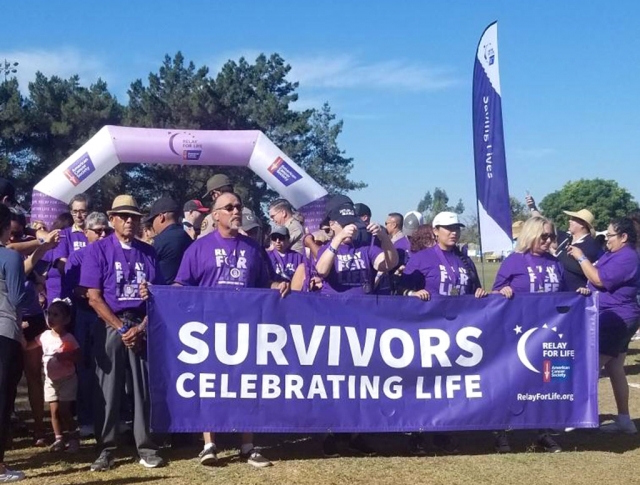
[{"x": 60, "y": 352}]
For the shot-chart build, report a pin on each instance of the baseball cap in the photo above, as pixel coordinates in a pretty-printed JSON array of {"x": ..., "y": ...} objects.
[
  {"x": 249, "y": 220},
  {"x": 194, "y": 205},
  {"x": 411, "y": 221},
  {"x": 447, "y": 219},
  {"x": 216, "y": 182},
  {"x": 362, "y": 210},
  {"x": 160, "y": 206},
  {"x": 7, "y": 189},
  {"x": 280, "y": 230},
  {"x": 344, "y": 214}
]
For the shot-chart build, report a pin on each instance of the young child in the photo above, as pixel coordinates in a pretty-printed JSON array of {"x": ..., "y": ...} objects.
[{"x": 60, "y": 352}]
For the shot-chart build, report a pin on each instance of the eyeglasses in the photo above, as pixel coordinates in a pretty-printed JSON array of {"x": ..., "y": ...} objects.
[
  {"x": 609, "y": 236},
  {"x": 100, "y": 231},
  {"x": 327, "y": 230},
  {"x": 229, "y": 208},
  {"x": 547, "y": 235},
  {"x": 78, "y": 212},
  {"x": 125, "y": 216}
]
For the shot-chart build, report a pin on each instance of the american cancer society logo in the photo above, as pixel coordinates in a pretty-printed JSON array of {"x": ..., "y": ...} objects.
[
  {"x": 80, "y": 169},
  {"x": 186, "y": 147},
  {"x": 489, "y": 54},
  {"x": 281, "y": 170},
  {"x": 547, "y": 354}
]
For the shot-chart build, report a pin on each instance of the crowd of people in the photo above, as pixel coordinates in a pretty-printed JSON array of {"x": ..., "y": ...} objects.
[{"x": 72, "y": 296}]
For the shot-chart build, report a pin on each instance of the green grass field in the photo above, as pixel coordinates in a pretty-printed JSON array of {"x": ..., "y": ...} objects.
[{"x": 588, "y": 457}]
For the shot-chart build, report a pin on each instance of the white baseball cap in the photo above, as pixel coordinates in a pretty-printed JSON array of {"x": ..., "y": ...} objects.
[{"x": 447, "y": 219}]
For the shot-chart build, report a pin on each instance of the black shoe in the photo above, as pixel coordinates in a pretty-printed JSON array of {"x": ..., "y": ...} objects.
[
  {"x": 254, "y": 458},
  {"x": 151, "y": 461},
  {"x": 446, "y": 443},
  {"x": 549, "y": 444},
  {"x": 330, "y": 447},
  {"x": 360, "y": 446},
  {"x": 502, "y": 442},
  {"x": 416, "y": 445},
  {"x": 103, "y": 463},
  {"x": 209, "y": 456}
]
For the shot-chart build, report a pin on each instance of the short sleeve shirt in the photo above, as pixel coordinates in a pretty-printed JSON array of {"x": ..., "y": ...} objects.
[
  {"x": 352, "y": 270},
  {"x": 214, "y": 261},
  {"x": 529, "y": 273},
  {"x": 118, "y": 272},
  {"x": 53, "y": 344}
]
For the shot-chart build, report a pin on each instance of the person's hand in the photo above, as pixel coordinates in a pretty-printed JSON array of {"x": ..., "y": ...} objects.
[
  {"x": 422, "y": 294},
  {"x": 400, "y": 270},
  {"x": 52, "y": 239},
  {"x": 584, "y": 291},
  {"x": 480, "y": 293},
  {"x": 575, "y": 252},
  {"x": 133, "y": 336},
  {"x": 375, "y": 229},
  {"x": 315, "y": 283},
  {"x": 347, "y": 232},
  {"x": 191, "y": 231},
  {"x": 145, "y": 293},
  {"x": 507, "y": 292},
  {"x": 531, "y": 204},
  {"x": 284, "y": 287}
]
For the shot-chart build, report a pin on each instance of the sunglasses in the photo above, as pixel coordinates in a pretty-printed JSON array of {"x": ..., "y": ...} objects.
[
  {"x": 547, "y": 235},
  {"x": 327, "y": 230},
  {"x": 100, "y": 232},
  {"x": 125, "y": 215},
  {"x": 278, "y": 238},
  {"x": 229, "y": 208}
]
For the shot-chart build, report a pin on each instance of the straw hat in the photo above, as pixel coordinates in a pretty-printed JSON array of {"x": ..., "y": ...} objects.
[
  {"x": 583, "y": 215},
  {"x": 125, "y": 204}
]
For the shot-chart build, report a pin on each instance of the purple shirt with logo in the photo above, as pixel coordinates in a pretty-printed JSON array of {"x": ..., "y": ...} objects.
[
  {"x": 71, "y": 239},
  {"x": 118, "y": 272},
  {"x": 619, "y": 273},
  {"x": 72, "y": 272},
  {"x": 352, "y": 269},
  {"x": 439, "y": 272},
  {"x": 285, "y": 265},
  {"x": 528, "y": 273},
  {"x": 217, "y": 262}
]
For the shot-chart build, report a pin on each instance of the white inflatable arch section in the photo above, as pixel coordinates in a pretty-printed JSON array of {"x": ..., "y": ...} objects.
[{"x": 118, "y": 144}]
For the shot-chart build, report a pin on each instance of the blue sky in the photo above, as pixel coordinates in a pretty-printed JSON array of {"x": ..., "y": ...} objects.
[{"x": 397, "y": 72}]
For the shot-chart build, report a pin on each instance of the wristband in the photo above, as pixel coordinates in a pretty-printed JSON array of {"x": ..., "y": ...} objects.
[
  {"x": 41, "y": 241},
  {"x": 124, "y": 329},
  {"x": 581, "y": 259},
  {"x": 332, "y": 249}
]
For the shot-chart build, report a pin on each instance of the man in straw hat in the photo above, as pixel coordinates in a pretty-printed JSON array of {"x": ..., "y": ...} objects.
[
  {"x": 580, "y": 234},
  {"x": 112, "y": 272}
]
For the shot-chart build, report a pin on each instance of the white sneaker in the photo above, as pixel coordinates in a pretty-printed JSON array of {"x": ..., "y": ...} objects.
[
  {"x": 618, "y": 427},
  {"x": 10, "y": 476}
]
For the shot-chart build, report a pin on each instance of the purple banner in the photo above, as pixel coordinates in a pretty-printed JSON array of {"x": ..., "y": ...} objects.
[
  {"x": 45, "y": 208},
  {"x": 250, "y": 361},
  {"x": 492, "y": 188}
]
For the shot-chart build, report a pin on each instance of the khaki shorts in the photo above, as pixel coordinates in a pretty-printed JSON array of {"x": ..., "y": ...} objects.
[{"x": 64, "y": 390}]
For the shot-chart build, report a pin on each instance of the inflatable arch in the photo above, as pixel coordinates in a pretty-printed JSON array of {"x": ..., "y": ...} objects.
[{"x": 117, "y": 144}]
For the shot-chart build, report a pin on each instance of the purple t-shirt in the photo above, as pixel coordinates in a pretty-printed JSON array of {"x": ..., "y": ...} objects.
[
  {"x": 352, "y": 269},
  {"x": 54, "y": 281},
  {"x": 528, "y": 273},
  {"x": 619, "y": 273},
  {"x": 217, "y": 262},
  {"x": 71, "y": 239},
  {"x": 285, "y": 265},
  {"x": 72, "y": 272},
  {"x": 118, "y": 272},
  {"x": 439, "y": 272}
]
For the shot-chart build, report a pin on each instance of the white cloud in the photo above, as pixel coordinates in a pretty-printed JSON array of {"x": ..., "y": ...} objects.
[
  {"x": 64, "y": 62},
  {"x": 344, "y": 72}
]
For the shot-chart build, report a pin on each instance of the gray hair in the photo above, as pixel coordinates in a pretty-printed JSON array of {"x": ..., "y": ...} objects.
[
  {"x": 96, "y": 219},
  {"x": 80, "y": 198}
]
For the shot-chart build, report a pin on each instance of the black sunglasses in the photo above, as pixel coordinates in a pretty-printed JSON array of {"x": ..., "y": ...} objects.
[
  {"x": 548, "y": 235},
  {"x": 100, "y": 232},
  {"x": 278, "y": 237},
  {"x": 229, "y": 207}
]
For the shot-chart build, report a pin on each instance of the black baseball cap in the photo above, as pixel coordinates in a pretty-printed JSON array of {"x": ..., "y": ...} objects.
[
  {"x": 160, "y": 206},
  {"x": 8, "y": 190}
]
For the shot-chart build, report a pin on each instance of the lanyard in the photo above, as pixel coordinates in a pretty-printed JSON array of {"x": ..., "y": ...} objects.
[
  {"x": 229, "y": 248},
  {"x": 452, "y": 268},
  {"x": 126, "y": 263}
]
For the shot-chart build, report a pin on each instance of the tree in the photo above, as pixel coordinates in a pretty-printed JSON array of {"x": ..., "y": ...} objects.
[
  {"x": 324, "y": 161},
  {"x": 604, "y": 198},
  {"x": 519, "y": 211},
  {"x": 430, "y": 205},
  {"x": 13, "y": 130}
]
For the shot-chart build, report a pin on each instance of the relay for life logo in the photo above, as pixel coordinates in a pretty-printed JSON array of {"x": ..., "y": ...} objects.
[{"x": 547, "y": 353}]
